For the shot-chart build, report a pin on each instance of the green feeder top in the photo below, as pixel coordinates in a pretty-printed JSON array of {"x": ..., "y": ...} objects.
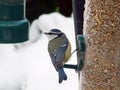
[
  {"x": 13, "y": 24},
  {"x": 12, "y": 1},
  {"x": 12, "y": 10}
]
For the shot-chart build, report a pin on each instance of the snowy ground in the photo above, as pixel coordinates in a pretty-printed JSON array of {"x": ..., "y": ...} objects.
[{"x": 27, "y": 66}]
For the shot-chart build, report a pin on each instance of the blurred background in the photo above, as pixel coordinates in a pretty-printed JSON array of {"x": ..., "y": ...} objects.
[
  {"x": 34, "y": 8},
  {"x": 27, "y": 66}
]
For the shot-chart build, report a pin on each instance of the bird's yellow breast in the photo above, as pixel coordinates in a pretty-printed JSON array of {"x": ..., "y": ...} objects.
[{"x": 67, "y": 53}]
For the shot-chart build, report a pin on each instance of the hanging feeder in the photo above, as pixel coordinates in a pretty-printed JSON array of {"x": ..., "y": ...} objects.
[{"x": 13, "y": 24}]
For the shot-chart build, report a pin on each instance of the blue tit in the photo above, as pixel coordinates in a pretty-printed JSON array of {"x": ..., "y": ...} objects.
[{"x": 59, "y": 49}]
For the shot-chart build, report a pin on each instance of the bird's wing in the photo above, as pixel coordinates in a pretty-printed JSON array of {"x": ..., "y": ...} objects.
[
  {"x": 58, "y": 55},
  {"x": 61, "y": 50}
]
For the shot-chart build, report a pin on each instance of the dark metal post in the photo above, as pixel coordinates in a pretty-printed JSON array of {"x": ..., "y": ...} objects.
[
  {"x": 78, "y": 13},
  {"x": 78, "y": 9}
]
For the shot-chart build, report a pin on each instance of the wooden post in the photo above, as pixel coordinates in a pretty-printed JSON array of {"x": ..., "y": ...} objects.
[{"x": 102, "y": 34}]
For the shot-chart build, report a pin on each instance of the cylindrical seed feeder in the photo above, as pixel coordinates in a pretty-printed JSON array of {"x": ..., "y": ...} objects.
[
  {"x": 102, "y": 35},
  {"x": 13, "y": 24}
]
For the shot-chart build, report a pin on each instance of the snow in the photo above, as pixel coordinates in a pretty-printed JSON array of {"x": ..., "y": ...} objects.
[{"x": 27, "y": 66}]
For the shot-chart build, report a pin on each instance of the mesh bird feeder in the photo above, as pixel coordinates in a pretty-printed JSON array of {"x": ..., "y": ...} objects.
[
  {"x": 13, "y": 24},
  {"x": 101, "y": 69}
]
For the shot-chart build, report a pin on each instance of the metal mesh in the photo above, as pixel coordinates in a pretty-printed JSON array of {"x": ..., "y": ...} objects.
[{"x": 102, "y": 60}]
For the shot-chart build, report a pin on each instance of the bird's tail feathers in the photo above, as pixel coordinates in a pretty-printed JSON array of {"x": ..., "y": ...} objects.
[{"x": 62, "y": 75}]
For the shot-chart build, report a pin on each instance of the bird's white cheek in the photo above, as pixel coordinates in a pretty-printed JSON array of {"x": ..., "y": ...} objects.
[{"x": 51, "y": 37}]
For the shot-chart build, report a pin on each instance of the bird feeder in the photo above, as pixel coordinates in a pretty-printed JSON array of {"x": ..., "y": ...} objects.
[
  {"x": 101, "y": 69},
  {"x": 13, "y": 24}
]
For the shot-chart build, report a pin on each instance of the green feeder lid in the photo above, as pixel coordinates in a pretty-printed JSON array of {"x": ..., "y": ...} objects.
[
  {"x": 10, "y": 11},
  {"x": 14, "y": 31},
  {"x": 13, "y": 25}
]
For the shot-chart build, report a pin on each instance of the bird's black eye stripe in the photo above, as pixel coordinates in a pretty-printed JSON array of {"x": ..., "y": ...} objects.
[
  {"x": 53, "y": 34},
  {"x": 50, "y": 33},
  {"x": 60, "y": 34}
]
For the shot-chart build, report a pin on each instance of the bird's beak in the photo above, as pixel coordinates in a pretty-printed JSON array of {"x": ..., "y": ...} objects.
[{"x": 45, "y": 33}]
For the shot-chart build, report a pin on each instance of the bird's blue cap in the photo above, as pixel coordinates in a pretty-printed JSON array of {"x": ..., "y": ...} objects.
[{"x": 55, "y": 30}]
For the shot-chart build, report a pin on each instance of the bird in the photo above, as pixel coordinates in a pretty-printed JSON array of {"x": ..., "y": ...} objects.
[{"x": 59, "y": 49}]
